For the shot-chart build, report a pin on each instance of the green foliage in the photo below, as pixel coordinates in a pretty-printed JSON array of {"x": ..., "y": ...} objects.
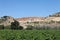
[
  {"x": 29, "y": 34},
  {"x": 58, "y": 22},
  {"x": 29, "y": 27},
  {"x": 15, "y": 25},
  {"x": 52, "y": 21},
  {"x": 5, "y": 16},
  {"x": 7, "y": 27},
  {"x": 36, "y": 22},
  {"x": 20, "y": 27},
  {"x": 1, "y": 26}
]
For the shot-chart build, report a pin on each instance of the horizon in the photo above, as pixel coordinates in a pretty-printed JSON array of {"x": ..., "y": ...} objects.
[{"x": 29, "y": 8}]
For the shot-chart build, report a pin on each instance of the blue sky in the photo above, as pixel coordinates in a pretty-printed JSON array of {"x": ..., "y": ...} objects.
[{"x": 27, "y": 8}]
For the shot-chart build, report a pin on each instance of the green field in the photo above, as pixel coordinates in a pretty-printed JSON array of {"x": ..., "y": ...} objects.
[{"x": 29, "y": 34}]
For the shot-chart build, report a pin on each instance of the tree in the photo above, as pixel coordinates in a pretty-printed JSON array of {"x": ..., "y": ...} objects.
[
  {"x": 5, "y": 16},
  {"x": 15, "y": 25},
  {"x": 20, "y": 27}
]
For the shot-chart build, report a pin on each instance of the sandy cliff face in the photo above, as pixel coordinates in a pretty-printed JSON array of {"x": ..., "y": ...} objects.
[
  {"x": 30, "y": 19},
  {"x": 52, "y": 18},
  {"x": 38, "y": 19},
  {"x": 52, "y": 21},
  {"x": 6, "y": 20}
]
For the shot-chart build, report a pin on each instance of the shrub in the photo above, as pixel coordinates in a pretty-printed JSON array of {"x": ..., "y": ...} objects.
[
  {"x": 7, "y": 27},
  {"x": 15, "y": 25},
  {"x": 29, "y": 27},
  {"x": 52, "y": 21},
  {"x": 58, "y": 21},
  {"x": 20, "y": 27},
  {"x": 1, "y": 26},
  {"x": 36, "y": 22}
]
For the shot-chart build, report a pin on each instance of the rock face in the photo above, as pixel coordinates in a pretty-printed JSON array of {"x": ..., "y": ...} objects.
[
  {"x": 51, "y": 21},
  {"x": 30, "y": 19},
  {"x": 6, "y": 20}
]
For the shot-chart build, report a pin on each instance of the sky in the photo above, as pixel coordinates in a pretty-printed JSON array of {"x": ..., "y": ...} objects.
[{"x": 28, "y": 8}]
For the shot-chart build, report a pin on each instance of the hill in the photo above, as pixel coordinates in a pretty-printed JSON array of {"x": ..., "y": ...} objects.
[
  {"x": 55, "y": 15},
  {"x": 36, "y": 22},
  {"x": 6, "y": 20}
]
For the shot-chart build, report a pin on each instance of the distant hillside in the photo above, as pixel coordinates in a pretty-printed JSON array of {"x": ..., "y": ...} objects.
[
  {"x": 6, "y": 20},
  {"x": 30, "y": 19},
  {"x": 55, "y": 15},
  {"x": 51, "y": 20}
]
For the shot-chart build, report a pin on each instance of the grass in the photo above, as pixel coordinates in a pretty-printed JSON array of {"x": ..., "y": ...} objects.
[{"x": 29, "y": 34}]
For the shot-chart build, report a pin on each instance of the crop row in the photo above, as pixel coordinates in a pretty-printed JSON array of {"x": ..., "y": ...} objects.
[{"x": 29, "y": 34}]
